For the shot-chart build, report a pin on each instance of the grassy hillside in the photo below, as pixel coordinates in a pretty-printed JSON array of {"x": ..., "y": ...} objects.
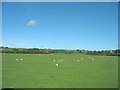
[{"x": 40, "y": 71}]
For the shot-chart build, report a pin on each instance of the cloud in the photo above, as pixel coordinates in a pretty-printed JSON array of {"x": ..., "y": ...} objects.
[{"x": 31, "y": 22}]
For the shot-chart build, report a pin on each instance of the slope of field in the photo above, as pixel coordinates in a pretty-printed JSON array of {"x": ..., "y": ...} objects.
[{"x": 74, "y": 71}]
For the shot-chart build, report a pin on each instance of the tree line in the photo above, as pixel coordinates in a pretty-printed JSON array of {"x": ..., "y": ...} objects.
[{"x": 53, "y": 51}]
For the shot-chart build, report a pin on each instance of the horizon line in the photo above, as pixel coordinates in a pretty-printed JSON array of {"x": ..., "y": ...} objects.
[{"x": 61, "y": 48}]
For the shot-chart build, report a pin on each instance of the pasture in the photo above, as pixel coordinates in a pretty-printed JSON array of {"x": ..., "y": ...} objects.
[{"x": 59, "y": 71}]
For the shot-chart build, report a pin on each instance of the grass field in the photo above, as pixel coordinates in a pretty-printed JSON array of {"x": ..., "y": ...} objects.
[{"x": 40, "y": 71}]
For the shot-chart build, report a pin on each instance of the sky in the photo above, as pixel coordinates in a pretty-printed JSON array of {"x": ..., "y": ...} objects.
[{"x": 60, "y": 25}]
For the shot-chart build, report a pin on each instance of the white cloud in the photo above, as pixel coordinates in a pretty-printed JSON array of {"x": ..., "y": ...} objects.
[{"x": 31, "y": 22}]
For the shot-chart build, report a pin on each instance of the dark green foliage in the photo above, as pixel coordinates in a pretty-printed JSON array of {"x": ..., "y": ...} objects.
[{"x": 51, "y": 51}]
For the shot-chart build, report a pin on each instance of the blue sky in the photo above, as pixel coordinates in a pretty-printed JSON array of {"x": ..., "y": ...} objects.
[{"x": 83, "y": 25}]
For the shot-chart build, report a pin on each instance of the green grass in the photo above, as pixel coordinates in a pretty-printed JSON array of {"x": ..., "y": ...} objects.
[{"x": 39, "y": 71}]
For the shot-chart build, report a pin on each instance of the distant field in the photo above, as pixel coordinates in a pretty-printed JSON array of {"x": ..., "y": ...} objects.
[{"x": 74, "y": 71}]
